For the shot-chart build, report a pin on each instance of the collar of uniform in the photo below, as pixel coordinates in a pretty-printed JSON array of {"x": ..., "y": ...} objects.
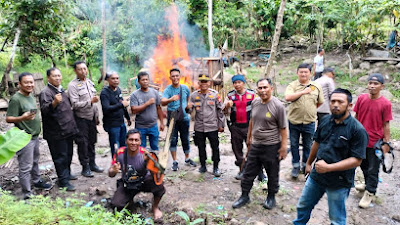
[
  {"x": 59, "y": 89},
  {"x": 344, "y": 122},
  {"x": 298, "y": 83},
  {"x": 245, "y": 92}
]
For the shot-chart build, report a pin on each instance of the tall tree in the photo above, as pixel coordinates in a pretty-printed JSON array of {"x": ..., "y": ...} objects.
[{"x": 277, "y": 35}]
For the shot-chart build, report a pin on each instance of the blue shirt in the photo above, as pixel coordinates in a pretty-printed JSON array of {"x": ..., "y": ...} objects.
[
  {"x": 336, "y": 143},
  {"x": 171, "y": 91}
]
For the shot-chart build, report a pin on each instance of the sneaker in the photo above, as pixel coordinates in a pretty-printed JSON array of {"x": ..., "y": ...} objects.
[
  {"x": 366, "y": 199},
  {"x": 360, "y": 187},
  {"x": 27, "y": 196},
  {"x": 68, "y": 187},
  {"x": 203, "y": 169},
  {"x": 239, "y": 176},
  {"x": 216, "y": 172},
  {"x": 175, "y": 166},
  {"x": 190, "y": 162},
  {"x": 42, "y": 185},
  {"x": 295, "y": 172}
]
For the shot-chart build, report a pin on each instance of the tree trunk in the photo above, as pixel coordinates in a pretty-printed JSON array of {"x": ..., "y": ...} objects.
[
  {"x": 103, "y": 27},
  {"x": 6, "y": 76},
  {"x": 210, "y": 36},
  {"x": 277, "y": 35}
]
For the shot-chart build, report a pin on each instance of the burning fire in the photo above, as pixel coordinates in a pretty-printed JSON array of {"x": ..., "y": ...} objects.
[{"x": 171, "y": 52}]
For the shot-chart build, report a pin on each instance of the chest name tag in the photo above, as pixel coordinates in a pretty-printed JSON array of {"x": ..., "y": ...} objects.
[
  {"x": 268, "y": 115},
  {"x": 248, "y": 96},
  {"x": 210, "y": 102}
]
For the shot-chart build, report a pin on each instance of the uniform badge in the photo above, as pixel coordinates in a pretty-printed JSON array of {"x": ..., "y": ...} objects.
[
  {"x": 312, "y": 87},
  {"x": 268, "y": 115},
  {"x": 197, "y": 97},
  {"x": 211, "y": 96},
  {"x": 219, "y": 97},
  {"x": 233, "y": 98},
  {"x": 79, "y": 85},
  {"x": 197, "y": 103},
  {"x": 248, "y": 96},
  {"x": 210, "y": 102},
  {"x": 198, "y": 108}
]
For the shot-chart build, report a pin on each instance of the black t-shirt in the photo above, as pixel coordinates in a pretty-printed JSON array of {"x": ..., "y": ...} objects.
[{"x": 336, "y": 143}]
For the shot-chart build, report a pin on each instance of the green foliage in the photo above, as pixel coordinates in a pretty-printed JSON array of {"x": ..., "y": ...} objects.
[
  {"x": 395, "y": 133},
  {"x": 11, "y": 142},
  {"x": 185, "y": 217},
  {"x": 43, "y": 210}
]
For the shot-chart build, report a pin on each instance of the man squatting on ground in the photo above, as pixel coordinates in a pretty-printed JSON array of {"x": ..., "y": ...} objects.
[
  {"x": 238, "y": 107},
  {"x": 131, "y": 160},
  {"x": 114, "y": 110},
  {"x": 338, "y": 148},
  {"x": 59, "y": 126},
  {"x": 22, "y": 112},
  {"x": 305, "y": 96},
  {"x": 145, "y": 103},
  {"x": 267, "y": 138},
  {"x": 374, "y": 112},
  {"x": 82, "y": 96},
  {"x": 176, "y": 96},
  {"x": 209, "y": 120}
]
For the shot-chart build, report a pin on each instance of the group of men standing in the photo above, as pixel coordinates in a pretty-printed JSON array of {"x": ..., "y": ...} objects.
[
  {"x": 330, "y": 153},
  {"x": 65, "y": 117}
]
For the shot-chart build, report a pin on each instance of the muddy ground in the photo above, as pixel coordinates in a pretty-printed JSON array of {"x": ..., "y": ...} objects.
[{"x": 211, "y": 198}]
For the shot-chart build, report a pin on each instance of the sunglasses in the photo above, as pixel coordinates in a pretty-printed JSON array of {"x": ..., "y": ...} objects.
[{"x": 203, "y": 81}]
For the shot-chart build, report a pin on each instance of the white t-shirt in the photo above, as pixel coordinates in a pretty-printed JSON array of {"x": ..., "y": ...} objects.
[
  {"x": 319, "y": 61},
  {"x": 328, "y": 85}
]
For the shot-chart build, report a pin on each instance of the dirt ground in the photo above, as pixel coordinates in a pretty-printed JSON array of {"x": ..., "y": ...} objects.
[{"x": 202, "y": 195}]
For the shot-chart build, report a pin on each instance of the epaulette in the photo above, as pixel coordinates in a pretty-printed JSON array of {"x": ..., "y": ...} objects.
[{"x": 251, "y": 91}]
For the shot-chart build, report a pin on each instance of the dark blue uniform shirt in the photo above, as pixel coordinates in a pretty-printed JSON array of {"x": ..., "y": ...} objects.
[{"x": 336, "y": 143}]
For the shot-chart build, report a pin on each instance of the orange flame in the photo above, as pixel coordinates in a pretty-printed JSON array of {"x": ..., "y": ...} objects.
[{"x": 171, "y": 52}]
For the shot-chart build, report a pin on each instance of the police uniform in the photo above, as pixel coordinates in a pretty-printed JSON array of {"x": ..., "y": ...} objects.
[
  {"x": 86, "y": 115},
  {"x": 208, "y": 119}
]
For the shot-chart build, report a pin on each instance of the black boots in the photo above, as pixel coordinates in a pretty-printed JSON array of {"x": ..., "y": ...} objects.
[
  {"x": 243, "y": 200},
  {"x": 86, "y": 172},
  {"x": 95, "y": 168},
  {"x": 270, "y": 202}
]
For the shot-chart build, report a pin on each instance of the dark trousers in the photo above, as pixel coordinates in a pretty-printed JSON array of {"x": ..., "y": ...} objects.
[
  {"x": 201, "y": 144},
  {"x": 370, "y": 167},
  {"x": 61, "y": 152},
  {"x": 183, "y": 128},
  {"x": 85, "y": 139},
  {"x": 238, "y": 136},
  {"x": 123, "y": 197},
  {"x": 262, "y": 155}
]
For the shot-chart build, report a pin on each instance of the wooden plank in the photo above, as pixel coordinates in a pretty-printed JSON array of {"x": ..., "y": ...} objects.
[{"x": 380, "y": 59}]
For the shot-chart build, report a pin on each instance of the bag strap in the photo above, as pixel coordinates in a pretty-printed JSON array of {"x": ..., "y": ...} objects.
[{"x": 180, "y": 96}]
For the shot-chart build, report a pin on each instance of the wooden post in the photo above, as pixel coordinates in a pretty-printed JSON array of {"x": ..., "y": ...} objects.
[{"x": 103, "y": 26}]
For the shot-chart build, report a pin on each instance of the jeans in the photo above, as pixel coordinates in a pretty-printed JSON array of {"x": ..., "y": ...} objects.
[
  {"x": 183, "y": 128},
  {"x": 310, "y": 196},
  {"x": 307, "y": 133},
  {"x": 116, "y": 135},
  {"x": 28, "y": 162},
  {"x": 153, "y": 134}
]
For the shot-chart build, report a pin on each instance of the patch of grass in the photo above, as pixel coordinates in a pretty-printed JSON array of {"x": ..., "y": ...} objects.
[
  {"x": 101, "y": 151},
  {"x": 182, "y": 174},
  {"x": 200, "y": 179},
  {"x": 44, "y": 210},
  {"x": 395, "y": 133},
  {"x": 209, "y": 162}
]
